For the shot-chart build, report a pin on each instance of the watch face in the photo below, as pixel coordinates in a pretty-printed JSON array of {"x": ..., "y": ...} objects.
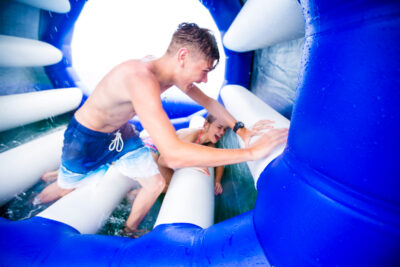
[{"x": 238, "y": 125}]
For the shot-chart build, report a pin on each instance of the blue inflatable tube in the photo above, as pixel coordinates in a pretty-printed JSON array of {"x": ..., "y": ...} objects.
[
  {"x": 41, "y": 242},
  {"x": 331, "y": 199}
]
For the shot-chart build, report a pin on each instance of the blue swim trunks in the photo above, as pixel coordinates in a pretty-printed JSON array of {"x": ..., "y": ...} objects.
[{"x": 88, "y": 153}]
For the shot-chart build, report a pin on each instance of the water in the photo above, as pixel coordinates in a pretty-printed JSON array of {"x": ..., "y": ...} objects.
[
  {"x": 21, "y": 207},
  {"x": 18, "y": 136},
  {"x": 116, "y": 222},
  {"x": 238, "y": 196}
]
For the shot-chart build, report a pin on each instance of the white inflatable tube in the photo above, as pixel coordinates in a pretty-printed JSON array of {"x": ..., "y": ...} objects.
[
  {"x": 189, "y": 199},
  {"x": 248, "y": 108},
  {"x": 87, "y": 208},
  {"x": 22, "y": 167},
  {"x": 20, "y": 109},
  {"x": 59, "y": 6},
  {"x": 262, "y": 23},
  {"x": 22, "y": 52}
]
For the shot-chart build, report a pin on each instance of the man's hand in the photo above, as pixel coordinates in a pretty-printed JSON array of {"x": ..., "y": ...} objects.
[
  {"x": 257, "y": 129},
  {"x": 267, "y": 142},
  {"x": 133, "y": 233}
]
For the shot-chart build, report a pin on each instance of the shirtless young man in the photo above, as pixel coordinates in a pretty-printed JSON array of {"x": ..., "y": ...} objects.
[{"x": 93, "y": 137}]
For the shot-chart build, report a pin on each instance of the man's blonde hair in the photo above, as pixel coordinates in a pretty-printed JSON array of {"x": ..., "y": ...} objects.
[{"x": 193, "y": 37}]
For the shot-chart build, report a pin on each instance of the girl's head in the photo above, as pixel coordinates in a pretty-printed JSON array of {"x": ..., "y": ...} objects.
[{"x": 214, "y": 128}]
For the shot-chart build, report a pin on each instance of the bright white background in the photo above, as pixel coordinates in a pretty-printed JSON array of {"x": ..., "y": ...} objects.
[{"x": 110, "y": 32}]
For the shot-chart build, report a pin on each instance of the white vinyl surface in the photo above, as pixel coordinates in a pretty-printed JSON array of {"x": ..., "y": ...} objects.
[
  {"x": 189, "y": 199},
  {"x": 87, "y": 208},
  {"x": 20, "y": 109},
  {"x": 23, "y": 52},
  {"x": 248, "y": 108},
  {"x": 59, "y": 6},
  {"x": 261, "y": 23},
  {"x": 22, "y": 167}
]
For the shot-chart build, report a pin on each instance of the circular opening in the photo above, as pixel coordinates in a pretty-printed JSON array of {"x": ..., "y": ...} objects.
[{"x": 110, "y": 32}]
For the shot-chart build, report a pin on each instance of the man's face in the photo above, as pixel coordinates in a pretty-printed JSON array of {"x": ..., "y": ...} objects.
[{"x": 195, "y": 70}]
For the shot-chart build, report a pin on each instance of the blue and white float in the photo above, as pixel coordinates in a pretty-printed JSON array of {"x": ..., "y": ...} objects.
[{"x": 331, "y": 198}]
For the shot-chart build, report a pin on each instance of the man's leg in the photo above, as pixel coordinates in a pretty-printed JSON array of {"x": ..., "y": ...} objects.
[
  {"x": 50, "y": 176},
  {"x": 51, "y": 193},
  {"x": 165, "y": 171},
  {"x": 167, "y": 174},
  {"x": 148, "y": 194}
]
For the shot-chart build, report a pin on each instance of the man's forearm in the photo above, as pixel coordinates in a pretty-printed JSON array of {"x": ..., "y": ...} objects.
[
  {"x": 188, "y": 155},
  {"x": 215, "y": 108}
]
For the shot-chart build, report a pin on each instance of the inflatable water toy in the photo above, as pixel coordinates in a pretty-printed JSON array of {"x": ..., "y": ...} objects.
[
  {"x": 260, "y": 20},
  {"x": 15, "y": 179},
  {"x": 236, "y": 99},
  {"x": 189, "y": 199},
  {"x": 330, "y": 199},
  {"x": 59, "y": 6},
  {"x": 23, "y": 52},
  {"x": 36, "y": 106}
]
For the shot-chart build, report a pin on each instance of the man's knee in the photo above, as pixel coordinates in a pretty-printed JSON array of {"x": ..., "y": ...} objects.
[{"x": 156, "y": 183}]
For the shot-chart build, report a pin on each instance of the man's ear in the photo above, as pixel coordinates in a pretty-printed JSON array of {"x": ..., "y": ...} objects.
[{"x": 182, "y": 55}]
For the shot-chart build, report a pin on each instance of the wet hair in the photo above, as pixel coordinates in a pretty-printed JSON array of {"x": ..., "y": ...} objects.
[
  {"x": 210, "y": 118},
  {"x": 199, "y": 39}
]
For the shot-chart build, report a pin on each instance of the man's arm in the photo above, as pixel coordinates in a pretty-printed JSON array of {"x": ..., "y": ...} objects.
[
  {"x": 145, "y": 97},
  {"x": 214, "y": 107}
]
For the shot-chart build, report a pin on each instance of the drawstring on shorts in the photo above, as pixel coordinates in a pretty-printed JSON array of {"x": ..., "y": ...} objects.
[{"x": 117, "y": 143}]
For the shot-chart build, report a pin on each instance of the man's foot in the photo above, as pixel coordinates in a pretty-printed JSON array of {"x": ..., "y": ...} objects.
[
  {"x": 36, "y": 201},
  {"x": 51, "y": 193},
  {"x": 134, "y": 233}
]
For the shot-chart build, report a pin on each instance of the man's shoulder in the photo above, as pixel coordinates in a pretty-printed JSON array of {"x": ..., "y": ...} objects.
[
  {"x": 137, "y": 71},
  {"x": 135, "y": 66}
]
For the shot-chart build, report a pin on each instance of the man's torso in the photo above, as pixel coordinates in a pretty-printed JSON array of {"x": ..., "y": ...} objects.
[{"x": 110, "y": 105}]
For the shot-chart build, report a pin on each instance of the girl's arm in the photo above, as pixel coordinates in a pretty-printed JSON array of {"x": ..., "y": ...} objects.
[{"x": 219, "y": 171}]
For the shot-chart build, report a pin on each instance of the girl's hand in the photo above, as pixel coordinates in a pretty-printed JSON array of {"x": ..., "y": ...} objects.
[{"x": 217, "y": 189}]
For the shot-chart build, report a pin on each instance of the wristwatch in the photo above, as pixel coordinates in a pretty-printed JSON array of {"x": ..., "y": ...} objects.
[{"x": 238, "y": 125}]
